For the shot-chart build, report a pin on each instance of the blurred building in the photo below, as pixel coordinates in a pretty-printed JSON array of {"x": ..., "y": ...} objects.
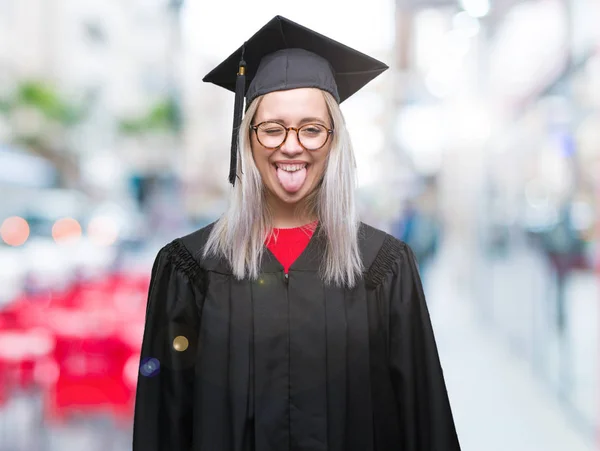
[
  {"x": 117, "y": 60},
  {"x": 500, "y": 102}
]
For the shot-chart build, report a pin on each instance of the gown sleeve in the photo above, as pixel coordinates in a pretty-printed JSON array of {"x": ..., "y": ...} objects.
[
  {"x": 426, "y": 420},
  {"x": 164, "y": 394}
]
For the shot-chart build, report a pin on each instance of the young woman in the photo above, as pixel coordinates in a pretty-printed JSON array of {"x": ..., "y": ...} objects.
[{"x": 288, "y": 324}]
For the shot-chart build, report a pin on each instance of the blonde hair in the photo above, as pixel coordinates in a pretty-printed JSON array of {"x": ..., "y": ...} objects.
[{"x": 240, "y": 233}]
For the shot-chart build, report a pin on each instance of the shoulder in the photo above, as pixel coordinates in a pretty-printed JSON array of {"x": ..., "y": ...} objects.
[
  {"x": 192, "y": 245},
  {"x": 376, "y": 241},
  {"x": 194, "y": 242},
  {"x": 382, "y": 253},
  {"x": 184, "y": 252}
]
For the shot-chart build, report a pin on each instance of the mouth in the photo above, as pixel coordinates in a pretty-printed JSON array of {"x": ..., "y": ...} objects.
[
  {"x": 290, "y": 167},
  {"x": 291, "y": 177}
]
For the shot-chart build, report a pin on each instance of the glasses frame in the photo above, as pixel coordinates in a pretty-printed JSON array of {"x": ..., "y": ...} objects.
[{"x": 287, "y": 130}]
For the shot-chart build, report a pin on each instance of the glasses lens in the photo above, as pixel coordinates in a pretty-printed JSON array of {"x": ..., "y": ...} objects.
[
  {"x": 271, "y": 134},
  {"x": 313, "y": 136}
]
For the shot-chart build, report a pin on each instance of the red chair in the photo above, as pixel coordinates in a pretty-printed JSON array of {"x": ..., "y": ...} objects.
[
  {"x": 20, "y": 352},
  {"x": 91, "y": 359}
]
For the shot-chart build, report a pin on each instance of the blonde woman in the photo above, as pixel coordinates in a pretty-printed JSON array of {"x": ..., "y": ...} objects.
[{"x": 288, "y": 324}]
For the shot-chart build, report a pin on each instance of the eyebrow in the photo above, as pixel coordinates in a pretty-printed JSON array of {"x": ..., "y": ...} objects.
[{"x": 306, "y": 120}]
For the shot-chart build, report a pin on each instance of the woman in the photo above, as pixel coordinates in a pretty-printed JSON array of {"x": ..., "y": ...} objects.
[{"x": 288, "y": 324}]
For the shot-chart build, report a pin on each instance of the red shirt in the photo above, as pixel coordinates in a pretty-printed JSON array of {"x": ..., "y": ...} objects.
[{"x": 290, "y": 243}]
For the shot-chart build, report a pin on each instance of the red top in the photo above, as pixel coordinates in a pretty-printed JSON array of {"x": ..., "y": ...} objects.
[{"x": 290, "y": 243}]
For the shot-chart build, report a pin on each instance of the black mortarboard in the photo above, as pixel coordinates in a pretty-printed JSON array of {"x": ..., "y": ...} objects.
[{"x": 285, "y": 55}]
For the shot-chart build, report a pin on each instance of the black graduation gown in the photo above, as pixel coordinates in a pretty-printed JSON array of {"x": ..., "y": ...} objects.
[{"x": 288, "y": 363}]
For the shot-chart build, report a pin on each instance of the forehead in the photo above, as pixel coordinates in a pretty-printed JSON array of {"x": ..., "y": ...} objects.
[{"x": 293, "y": 104}]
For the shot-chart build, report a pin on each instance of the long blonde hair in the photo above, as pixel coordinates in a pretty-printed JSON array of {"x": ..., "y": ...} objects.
[{"x": 240, "y": 233}]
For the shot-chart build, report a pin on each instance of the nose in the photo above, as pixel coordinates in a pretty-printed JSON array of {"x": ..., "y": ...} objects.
[{"x": 291, "y": 145}]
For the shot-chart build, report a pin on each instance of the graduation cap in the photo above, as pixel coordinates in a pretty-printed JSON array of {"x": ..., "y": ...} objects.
[{"x": 285, "y": 55}]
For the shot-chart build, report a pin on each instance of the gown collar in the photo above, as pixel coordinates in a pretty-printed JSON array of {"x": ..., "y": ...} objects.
[{"x": 309, "y": 260}]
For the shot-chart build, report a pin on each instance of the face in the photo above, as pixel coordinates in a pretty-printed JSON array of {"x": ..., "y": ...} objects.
[{"x": 290, "y": 172}]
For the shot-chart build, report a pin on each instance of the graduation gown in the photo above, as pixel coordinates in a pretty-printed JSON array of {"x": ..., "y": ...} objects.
[{"x": 287, "y": 362}]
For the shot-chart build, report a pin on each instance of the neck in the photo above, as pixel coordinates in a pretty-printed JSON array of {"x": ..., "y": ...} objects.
[
  {"x": 291, "y": 224},
  {"x": 287, "y": 216}
]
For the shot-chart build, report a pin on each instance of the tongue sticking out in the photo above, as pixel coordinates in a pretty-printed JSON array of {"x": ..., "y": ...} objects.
[{"x": 291, "y": 181}]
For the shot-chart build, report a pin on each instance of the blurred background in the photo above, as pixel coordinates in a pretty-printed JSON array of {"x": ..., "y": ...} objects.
[{"x": 480, "y": 147}]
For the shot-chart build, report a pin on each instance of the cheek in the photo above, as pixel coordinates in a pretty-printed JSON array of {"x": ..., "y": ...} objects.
[
  {"x": 261, "y": 158},
  {"x": 319, "y": 166},
  {"x": 264, "y": 166}
]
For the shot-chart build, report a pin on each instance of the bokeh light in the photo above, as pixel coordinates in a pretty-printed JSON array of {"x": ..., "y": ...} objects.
[
  {"x": 149, "y": 367},
  {"x": 180, "y": 343},
  {"x": 14, "y": 231},
  {"x": 65, "y": 230},
  {"x": 103, "y": 231}
]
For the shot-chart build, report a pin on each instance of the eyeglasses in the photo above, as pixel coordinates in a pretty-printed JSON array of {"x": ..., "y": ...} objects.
[{"x": 273, "y": 134}]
